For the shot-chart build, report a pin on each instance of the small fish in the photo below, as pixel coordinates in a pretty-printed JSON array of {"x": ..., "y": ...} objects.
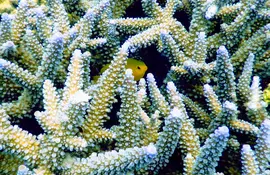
[
  {"x": 138, "y": 68},
  {"x": 266, "y": 94}
]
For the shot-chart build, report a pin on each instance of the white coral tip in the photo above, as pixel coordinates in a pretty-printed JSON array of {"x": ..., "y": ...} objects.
[
  {"x": 83, "y": 143},
  {"x": 207, "y": 88},
  {"x": 9, "y": 44},
  {"x": 150, "y": 77},
  {"x": 246, "y": 148},
  {"x": 189, "y": 156},
  {"x": 90, "y": 14},
  {"x": 57, "y": 37},
  {"x": 222, "y": 131},
  {"x": 3, "y": 63},
  {"x": 22, "y": 169},
  {"x": 39, "y": 12},
  {"x": 5, "y": 17},
  {"x": 201, "y": 35},
  {"x": 230, "y": 105},
  {"x": 222, "y": 50},
  {"x": 103, "y": 40},
  {"x": 79, "y": 97},
  {"x": 23, "y": 3},
  {"x": 163, "y": 33},
  {"x": 128, "y": 72},
  {"x": 142, "y": 81},
  {"x": 28, "y": 32},
  {"x": 125, "y": 46},
  {"x": 190, "y": 64},
  {"x": 151, "y": 150},
  {"x": 47, "y": 82},
  {"x": 171, "y": 86},
  {"x": 77, "y": 53},
  {"x": 256, "y": 80},
  {"x": 73, "y": 31},
  {"x": 211, "y": 11},
  {"x": 38, "y": 114},
  {"x": 266, "y": 123},
  {"x": 175, "y": 112},
  {"x": 251, "y": 55},
  {"x": 173, "y": 68}
]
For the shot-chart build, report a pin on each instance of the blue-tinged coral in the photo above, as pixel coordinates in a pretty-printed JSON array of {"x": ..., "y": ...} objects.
[
  {"x": 71, "y": 102},
  {"x": 206, "y": 161},
  {"x": 248, "y": 160},
  {"x": 167, "y": 140}
]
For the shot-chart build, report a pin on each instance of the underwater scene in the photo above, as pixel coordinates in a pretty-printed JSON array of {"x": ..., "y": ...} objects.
[{"x": 135, "y": 87}]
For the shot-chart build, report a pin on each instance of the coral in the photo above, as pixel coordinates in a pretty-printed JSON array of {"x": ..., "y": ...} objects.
[{"x": 207, "y": 115}]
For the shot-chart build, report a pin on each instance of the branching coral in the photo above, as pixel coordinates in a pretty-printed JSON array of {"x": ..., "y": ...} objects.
[{"x": 209, "y": 116}]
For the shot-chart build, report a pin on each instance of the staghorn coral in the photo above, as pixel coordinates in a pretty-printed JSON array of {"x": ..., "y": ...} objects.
[{"x": 208, "y": 116}]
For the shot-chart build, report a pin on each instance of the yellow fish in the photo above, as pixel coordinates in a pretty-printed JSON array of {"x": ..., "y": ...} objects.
[
  {"x": 138, "y": 68},
  {"x": 266, "y": 94}
]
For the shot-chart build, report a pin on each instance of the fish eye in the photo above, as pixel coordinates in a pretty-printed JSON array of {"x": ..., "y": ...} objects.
[{"x": 138, "y": 67}]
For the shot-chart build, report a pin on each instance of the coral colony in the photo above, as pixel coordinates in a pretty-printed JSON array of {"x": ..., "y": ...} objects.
[{"x": 202, "y": 110}]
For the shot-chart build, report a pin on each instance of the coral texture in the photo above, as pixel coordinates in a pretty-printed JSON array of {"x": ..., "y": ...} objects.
[{"x": 202, "y": 108}]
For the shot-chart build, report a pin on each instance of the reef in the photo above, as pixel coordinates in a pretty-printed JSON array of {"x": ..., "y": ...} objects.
[{"x": 202, "y": 108}]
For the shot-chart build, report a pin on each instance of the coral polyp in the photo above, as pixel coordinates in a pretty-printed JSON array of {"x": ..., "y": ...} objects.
[{"x": 81, "y": 90}]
